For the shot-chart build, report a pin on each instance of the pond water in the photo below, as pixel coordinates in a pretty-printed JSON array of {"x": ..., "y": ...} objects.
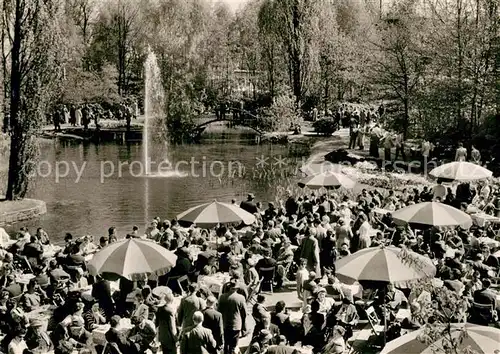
[{"x": 111, "y": 190}]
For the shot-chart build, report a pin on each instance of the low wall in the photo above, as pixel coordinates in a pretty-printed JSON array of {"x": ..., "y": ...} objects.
[{"x": 21, "y": 210}]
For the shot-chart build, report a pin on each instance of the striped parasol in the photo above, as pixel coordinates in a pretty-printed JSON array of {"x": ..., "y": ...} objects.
[
  {"x": 461, "y": 171},
  {"x": 327, "y": 179},
  {"x": 212, "y": 214},
  {"x": 134, "y": 259},
  {"x": 476, "y": 339},
  {"x": 384, "y": 265},
  {"x": 431, "y": 214}
]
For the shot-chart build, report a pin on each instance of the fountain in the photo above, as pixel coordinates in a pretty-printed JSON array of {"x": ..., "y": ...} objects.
[{"x": 154, "y": 119}]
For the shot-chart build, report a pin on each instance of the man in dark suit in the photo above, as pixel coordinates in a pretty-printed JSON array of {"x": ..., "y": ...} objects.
[
  {"x": 101, "y": 291},
  {"x": 189, "y": 305},
  {"x": 266, "y": 262},
  {"x": 198, "y": 339},
  {"x": 486, "y": 296},
  {"x": 232, "y": 306},
  {"x": 213, "y": 321},
  {"x": 249, "y": 205}
]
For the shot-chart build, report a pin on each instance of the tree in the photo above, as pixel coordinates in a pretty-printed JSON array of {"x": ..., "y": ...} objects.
[
  {"x": 401, "y": 58},
  {"x": 294, "y": 25},
  {"x": 33, "y": 43}
]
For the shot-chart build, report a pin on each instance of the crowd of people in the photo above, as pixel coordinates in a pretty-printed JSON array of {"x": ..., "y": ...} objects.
[
  {"x": 81, "y": 115},
  {"x": 299, "y": 239}
]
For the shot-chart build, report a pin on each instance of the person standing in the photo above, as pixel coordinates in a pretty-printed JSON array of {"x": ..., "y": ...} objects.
[
  {"x": 189, "y": 305},
  {"x": 310, "y": 251},
  {"x": 399, "y": 145},
  {"x": 232, "y": 306},
  {"x": 198, "y": 339},
  {"x": 425, "y": 151},
  {"x": 353, "y": 136},
  {"x": 213, "y": 321},
  {"x": 165, "y": 322},
  {"x": 376, "y": 133},
  {"x": 387, "y": 147},
  {"x": 475, "y": 155},
  {"x": 78, "y": 117},
  {"x": 461, "y": 154}
]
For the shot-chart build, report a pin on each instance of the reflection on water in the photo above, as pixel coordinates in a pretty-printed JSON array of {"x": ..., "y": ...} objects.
[{"x": 103, "y": 186}]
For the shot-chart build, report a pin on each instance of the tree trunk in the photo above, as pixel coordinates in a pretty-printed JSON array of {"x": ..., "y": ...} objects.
[{"x": 17, "y": 179}]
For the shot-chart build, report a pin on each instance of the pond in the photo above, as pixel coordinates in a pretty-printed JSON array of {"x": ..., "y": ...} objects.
[{"x": 89, "y": 188}]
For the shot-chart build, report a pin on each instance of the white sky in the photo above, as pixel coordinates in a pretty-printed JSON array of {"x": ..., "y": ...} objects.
[{"x": 235, "y": 4}]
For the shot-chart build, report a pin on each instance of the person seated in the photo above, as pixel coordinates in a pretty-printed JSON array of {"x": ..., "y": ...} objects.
[
  {"x": 33, "y": 298},
  {"x": 281, "y": 319},
  {"x": 37, "y": 339},
  {"x": 315, "y": 337},
  {"x": 94, "y": 317},
  {"x": 261, "y": 342},
  {"x": 325, "y": 303},
  {"x": 395, "y": 298},
  {"x": 266, "y": 262},
  {"x": 78, "y": 335},
  {"x": 251, "y": 275},
  {"x": 281, "y": 347},
  {"x": 486, "y": 296},
  {"x": 17, "y": 344},
  {"x": 284, "y": 260},
  {"x": 117, "y": 341},
  {"x": 143, "y": 334},
  {"x": 309, "y": 287},
  {"x": 141, "y": 310},
  {"x": 33, "y": 251},
  {"x": 347, "y": 316},
  {"x": 336, "y": 344}
]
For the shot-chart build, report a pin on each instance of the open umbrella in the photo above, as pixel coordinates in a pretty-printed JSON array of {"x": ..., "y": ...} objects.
[
  {"x": 134, "y": 259},
  {"x": 327, "y": 179},
  {"x": 384, "y": 265},
  {"x": 461, "y": 171},
  {"x": 212, "y": 214},
  {"x": 431, "y": 214},
  {"x": 479, "y": 339}
]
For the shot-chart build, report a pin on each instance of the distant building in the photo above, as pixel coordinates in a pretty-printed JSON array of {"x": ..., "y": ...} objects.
[{"x": 235, "y": 81}]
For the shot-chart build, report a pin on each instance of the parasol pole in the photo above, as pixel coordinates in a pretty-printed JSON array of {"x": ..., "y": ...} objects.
[{"x": 385, "y": 317}]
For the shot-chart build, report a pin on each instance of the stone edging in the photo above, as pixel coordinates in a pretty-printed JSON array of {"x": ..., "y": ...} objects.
[{"x": 29, "y": 209}]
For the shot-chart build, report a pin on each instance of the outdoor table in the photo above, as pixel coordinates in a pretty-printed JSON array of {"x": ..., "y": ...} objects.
[
  {"x": 402, "y": 314},
  {"x": 480, "y": 219},
  {"x": 296, "y": 317},
  {"x": 382, "y": 211},
  {"x": 24, "y": 278},
  {"x": 304, "y": 350},
  {"x": 488, "y": 241},
  {"x": 49, "y": 251},
  {"x": 99, "y": 333},
  {"x": 215, "y": 282}
]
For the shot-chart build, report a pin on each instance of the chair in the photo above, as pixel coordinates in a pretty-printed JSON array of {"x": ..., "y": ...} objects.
[
  {"x": 482, "y": 314},
  {"x": 254, "y": 290},
  {"x": 183, "y": 283},
  {"x": 377, "y": 329},
  {"x": 267, "y": 278}
]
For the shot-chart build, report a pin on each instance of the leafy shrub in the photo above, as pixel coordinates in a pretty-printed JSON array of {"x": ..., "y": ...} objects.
[{"x": 325, "y": 126}]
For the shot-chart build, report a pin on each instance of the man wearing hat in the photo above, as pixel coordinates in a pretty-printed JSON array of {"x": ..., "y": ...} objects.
[
  {"x": 213, "y": 321},
  {"x": 37, "y": 339},
  {"x": 249, "y": 205}
]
